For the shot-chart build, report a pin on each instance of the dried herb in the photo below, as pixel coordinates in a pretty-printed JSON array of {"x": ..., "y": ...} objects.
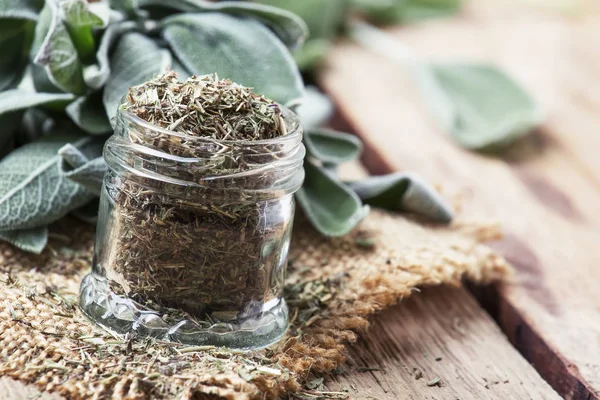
[{"x": 207, "y": 248}]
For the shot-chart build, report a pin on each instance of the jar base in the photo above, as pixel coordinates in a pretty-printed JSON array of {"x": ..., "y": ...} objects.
[{"x": 121, "y": 315}]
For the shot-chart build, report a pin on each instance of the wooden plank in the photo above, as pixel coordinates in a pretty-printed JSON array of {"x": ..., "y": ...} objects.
[
  {"x": 441, "y": 333},
  {"x": 545, "y": 192}
]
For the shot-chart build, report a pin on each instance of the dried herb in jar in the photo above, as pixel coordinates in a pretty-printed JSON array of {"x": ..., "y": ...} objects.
[{"x": 199, "y": 239}]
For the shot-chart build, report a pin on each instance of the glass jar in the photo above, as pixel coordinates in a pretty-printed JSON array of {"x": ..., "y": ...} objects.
[{"x": 193, "y": 235}]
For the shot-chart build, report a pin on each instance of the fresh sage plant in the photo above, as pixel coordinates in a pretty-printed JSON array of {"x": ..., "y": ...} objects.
[{"x": 66, "y": 64}]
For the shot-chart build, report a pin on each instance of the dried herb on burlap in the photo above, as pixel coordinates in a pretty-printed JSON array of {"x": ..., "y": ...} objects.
[
  {"x": 199, "y": 248},
  {"x": 334, "y": 286}
]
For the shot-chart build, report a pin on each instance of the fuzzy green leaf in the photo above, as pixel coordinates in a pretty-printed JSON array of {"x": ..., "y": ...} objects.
[
  {"x": 417, "y": 10},
  {"x": 332, "y": 147},
  {"x": 314, "y": 109},
  {"x": 88, "y": 113},
  {"x": 127, "y": 6},
  {"x": 58, "y": 54},
  {"x": 86, "y": 169},
  {"x": 331, "y": 207},
  {"x": 96, "y": 75},
  {"x": 20, "y": 9},
  {"x": 15, "y": 101},
  {"x": 182, "y": 72},
  {"x": 80, "y": 21},
  {"x": 135, "y": 60},
  {"x": 323, "y": 17},
  {"x": 33, "y": 191},
  {"x": 242, "y": 50},
  {"x": 41, "y": 81},
  {"x": 403, "y": 192},
  {"x": 490, "y": 109},
  {"x": 9, "y": 123},
  {"x": 34, "y": 124},
  {"x": 15, "y": 39},
  {"x": 312, "y": 53},
  {"x": 286, "y": 25},
  {"x": 18, "y": 99},
  {"x": 405, "y": 11},
  {"x": 32, "y": 240}
]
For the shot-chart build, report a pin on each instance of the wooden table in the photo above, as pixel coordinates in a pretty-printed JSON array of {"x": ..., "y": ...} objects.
[
  {"x": 542, "y": 340},
  {"x": 545, "y": 192}
]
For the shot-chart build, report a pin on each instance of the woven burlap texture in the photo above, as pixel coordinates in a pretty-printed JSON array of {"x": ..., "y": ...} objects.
[{"x": 333, "y": 287}]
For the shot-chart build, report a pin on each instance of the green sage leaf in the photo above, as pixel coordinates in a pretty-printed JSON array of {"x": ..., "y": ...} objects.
[
  {"x": 312, "y": 53},
  {"x": 15, "y": 101},
  {"x": 331, "y": 207},
  {"x": 88, "y": 113},
  {"x": 34, "y": 124},
  {"x": 323, "y": 17},
  {"x": 20, "y": 9},
  {"x": 41, "y": 81},
  {"x": 490, "y": 109},
  {"x": 332, "y": 147},
  {"x": 79, "y": 22},
  {"x": 242, "y": 50},
  {"x": 15, "y": 39},
  {"x": 32, "y": 240},
  {"x": 314, "y": 109},
  {"x": 86, "y": 169},
  {"x": 405, "y": 11},
  {"x": 18, "y": 99},
  {"x": 95, "y": 75},
  {"x": 418, "y": 10},
  {"x": 182, "y": 72},
  {"x": 403, "y": 192},
  {"x": 9, "y": 124},
  {"x": 58, "y": 54},
  {"x": 33, "y": 190},
  {"x": 126, "y": 6},
  {"x": 135, "y": 60},
  {"x": 286, "y": 25}
]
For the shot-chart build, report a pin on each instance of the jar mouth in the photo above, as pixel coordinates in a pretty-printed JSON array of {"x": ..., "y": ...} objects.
[
  {"x": 153, "y": 155},
  {"x": 293, "y": 126}
]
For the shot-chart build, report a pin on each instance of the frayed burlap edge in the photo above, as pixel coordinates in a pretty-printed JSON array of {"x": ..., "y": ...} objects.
[{"x": 334, "y": 286}]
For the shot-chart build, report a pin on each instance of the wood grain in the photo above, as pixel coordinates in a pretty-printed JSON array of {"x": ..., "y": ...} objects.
[
  {"x": 441, "y": 333},
  {"x": 545, "y": 190}
]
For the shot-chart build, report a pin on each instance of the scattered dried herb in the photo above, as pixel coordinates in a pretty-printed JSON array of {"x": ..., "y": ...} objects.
[
  {"x": 434, "y": 382},
  {"x": 208, "y": 246}
]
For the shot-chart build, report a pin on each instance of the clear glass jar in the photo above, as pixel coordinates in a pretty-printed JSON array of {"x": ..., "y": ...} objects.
[{"x": 193, "y": 235}]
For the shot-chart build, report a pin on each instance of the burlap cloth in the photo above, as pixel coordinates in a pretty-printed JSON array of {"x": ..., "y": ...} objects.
[{"x": 334, "y": 286}]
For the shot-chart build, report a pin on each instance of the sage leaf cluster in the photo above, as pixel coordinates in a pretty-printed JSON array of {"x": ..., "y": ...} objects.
[{"x": 66, "y": 65}]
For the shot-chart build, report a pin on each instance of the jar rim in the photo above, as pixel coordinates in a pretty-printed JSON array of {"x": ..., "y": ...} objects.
[{"x": 292, "y": 120}]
